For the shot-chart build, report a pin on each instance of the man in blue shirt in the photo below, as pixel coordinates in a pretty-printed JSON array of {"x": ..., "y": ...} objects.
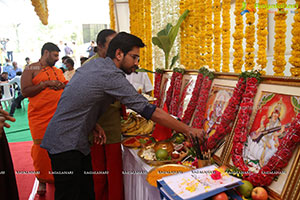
[{"x": 86, "y": 97}]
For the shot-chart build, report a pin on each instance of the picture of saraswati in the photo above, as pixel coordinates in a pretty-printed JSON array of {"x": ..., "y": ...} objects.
[{"x": 264, "y": 141}]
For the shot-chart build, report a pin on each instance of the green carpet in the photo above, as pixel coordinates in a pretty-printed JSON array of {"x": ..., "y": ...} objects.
[{"x": 19, "y": 130}]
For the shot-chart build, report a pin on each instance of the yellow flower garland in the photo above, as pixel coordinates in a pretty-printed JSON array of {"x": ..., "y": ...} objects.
[
  {"x": 238, "y": 38},
  {"x": 41, "y": 9},
  {"x": 209, "y": 33},
  {"x": 217, "y": 37},
  {"x": 141, "y": 26},
  {"x": 202, "y": 35},
  {"x": 112, "y": 14},
  {"x": 279, "y": 47},
  {"x": 226, "y": 34},
  {"x": 250, "y": 37},
  {"x": 295, "y": 58},
  {"x": 262, "y": 34}
]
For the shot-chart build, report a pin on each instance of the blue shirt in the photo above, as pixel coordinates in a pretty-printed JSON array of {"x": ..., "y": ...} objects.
[{"x": 94, "y": 86}]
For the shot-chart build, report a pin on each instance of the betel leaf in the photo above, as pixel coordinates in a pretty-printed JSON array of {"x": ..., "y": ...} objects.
[
  {"x": 174, "y": 59},
  {"x": 295, "y": 102},
  {"x": 174, "y": 31}
]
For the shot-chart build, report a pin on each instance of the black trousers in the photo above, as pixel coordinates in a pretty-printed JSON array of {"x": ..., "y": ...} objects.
[
  {"x": 72, "y": 179},
  {"x": 16, "y": 103}
]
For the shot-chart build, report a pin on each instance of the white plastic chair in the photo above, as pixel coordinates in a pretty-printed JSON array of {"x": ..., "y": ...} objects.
[{"x": 8, "y": 94}]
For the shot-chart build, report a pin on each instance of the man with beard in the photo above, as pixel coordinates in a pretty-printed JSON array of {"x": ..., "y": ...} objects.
[
  {"x": 43, "y": 84},
  {"x": 92, "y": 89}
]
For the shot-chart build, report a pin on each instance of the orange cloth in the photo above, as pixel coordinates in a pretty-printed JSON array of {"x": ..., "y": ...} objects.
[{"x": 41, "y": 109}]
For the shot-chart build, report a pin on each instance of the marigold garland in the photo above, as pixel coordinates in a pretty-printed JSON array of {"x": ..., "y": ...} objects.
[
  {"x": 262, "y": 34},
  {"x": 217, "y": 36},
  {"x": 295, "y": 58},
  {"x": 226, "y": 35},
  {"x": 209, "y": 33},
  {"x": 140, "y": 25},
  {"x": 238, "y": 38},
  {"x": 112, "y": 14},
  {"x": 279, "y": 47},
  {"x": 250, "y": 36},
  {"x": 41, "y": 9}
]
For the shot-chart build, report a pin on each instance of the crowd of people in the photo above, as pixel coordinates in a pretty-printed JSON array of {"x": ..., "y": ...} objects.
[{"x": 75, "y": 115}]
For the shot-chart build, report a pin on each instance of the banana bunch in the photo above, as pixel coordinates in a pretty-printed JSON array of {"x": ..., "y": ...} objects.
[{"x": 136, "y": 125}]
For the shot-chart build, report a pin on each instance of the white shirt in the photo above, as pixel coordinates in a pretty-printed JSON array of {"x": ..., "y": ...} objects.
[{"x": 140, "y": 80}]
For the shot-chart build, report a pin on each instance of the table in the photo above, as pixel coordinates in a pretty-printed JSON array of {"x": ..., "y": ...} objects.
[{"x": 135, "y": 172}]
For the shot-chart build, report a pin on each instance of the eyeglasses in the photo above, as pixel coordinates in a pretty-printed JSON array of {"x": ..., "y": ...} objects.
[{"x": 135, "y": 57}]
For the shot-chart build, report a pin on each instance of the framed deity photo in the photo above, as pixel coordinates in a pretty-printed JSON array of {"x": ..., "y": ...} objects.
[
  {"x": 220, "y": 93},
  {"x": 276, "y": 106}
]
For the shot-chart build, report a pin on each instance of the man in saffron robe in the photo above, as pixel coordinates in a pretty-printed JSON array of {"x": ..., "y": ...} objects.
[{"x": 43, "y": 84}]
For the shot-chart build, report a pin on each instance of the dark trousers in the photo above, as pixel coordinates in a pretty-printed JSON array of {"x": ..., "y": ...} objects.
[
  {"x": 72, "y": 179},
  {"x": 10, "y": 55},
  {"x": 16, "y": 103}
]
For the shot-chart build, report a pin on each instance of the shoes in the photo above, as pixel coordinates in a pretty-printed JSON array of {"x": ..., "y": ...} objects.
[{"x": 41, "y": 189}]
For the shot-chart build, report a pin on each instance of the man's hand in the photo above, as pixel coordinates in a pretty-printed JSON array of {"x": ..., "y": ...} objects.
[
  {"x": 55, "y": 85},
  {"x": 199, "y": 133},
  {"x": 3, "y": 117},
  {"x": 99, "y": 135}
]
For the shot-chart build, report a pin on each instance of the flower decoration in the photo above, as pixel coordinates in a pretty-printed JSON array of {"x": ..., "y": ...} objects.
[
  {"x": 250, "y": 36},
  {"x": 112, "y": 14},
  {"x": 209, "y": 33},
  {"x": 262, "y": 34},
  {"x": 216, "y": 175},
  {"x": 176, "y": 72},
  {"x": 279, "y": 47},
  {"x": 238, "y": 38},
  {"x": 173, "y": 108},
  {"x": 140, "y": 25},
  {"x": 41, "y": 9},
  {"x": 157, "y": 83},
  {"x": 226, "y": 34},
  {"x": 217, "y": 36},
  {"x": 295, "y": 58}
]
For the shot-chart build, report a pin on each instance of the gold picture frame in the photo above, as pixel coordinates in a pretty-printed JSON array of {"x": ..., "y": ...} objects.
[{"x": 277, "y": 89}]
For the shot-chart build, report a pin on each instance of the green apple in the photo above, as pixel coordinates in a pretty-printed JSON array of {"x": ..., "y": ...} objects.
[{"x": 245, "y": 189}]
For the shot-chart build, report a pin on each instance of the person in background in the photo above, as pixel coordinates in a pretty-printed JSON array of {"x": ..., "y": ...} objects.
[
  {"x": 90, "y": 49},
  {"x": 17, "y": 101},
  {"x": 8, "y": 189},
  {"x": 9, "y": 50},
  {"x": 43, "y": 84},
  {"x": 61, "y": 65},
  {"x": 140, "y": 82},
  {"x": 70, "y": 68},
  {"x": 68, "y": 50},
  {"x": 95, "y": 85},
  {"x": 28, "y": 62},
  {"x": 108, "y": 157},
  {"x": 82, "y": 60},
  {"x": 14, "y": 70},
  {"x": 8, "y": 68},
  {"x": 4, "y": 77}
]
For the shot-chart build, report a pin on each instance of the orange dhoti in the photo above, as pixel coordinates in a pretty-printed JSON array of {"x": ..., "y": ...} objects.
[{"x": 41, "y": 109}]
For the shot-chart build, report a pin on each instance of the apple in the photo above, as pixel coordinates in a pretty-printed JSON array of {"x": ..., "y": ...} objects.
[
  {"x": 220, "y": 196},
  {"x": 259, "y": 193},
  {"x": 245, "y": 189}
]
